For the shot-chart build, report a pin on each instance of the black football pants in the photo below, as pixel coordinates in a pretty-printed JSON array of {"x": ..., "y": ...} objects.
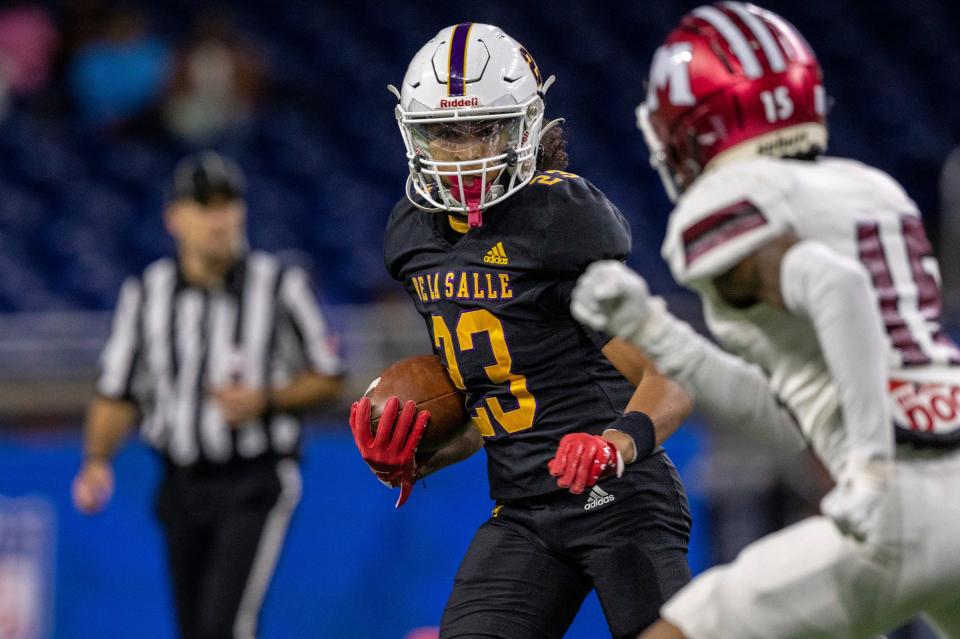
[
  {"x": 224, "y": 530},
  {"x": 531, "y": 565}
]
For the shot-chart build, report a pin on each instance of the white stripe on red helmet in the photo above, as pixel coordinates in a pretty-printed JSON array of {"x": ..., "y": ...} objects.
[
  {"x": 762, "y": 33},
  {"x": 793, "y": 42},
  {"x": 737, "y": 42}
]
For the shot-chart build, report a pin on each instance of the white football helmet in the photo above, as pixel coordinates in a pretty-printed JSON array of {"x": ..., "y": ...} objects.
[{"x": 471, "y": 115}]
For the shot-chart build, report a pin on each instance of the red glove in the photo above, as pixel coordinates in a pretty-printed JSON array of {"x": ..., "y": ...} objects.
[
  {"x": 582, "y": 459},
  {"x": 391, "y": 455}
]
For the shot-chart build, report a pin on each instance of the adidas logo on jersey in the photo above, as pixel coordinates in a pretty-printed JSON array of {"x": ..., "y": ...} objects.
[
  {"x": 597, "y": 497},
  {"x": 496, "y": 255}
]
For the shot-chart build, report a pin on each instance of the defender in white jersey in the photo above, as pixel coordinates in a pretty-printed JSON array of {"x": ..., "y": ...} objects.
[{"x": 818, "y": 280}]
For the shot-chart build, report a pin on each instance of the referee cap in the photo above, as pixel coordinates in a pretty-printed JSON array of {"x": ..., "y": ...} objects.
[{"x": 205, "y": 177}]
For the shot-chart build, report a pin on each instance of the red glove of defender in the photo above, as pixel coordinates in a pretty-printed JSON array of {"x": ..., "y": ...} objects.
[
  {"x": 391, "y": 455},
  {"x": 582, "y": 459}
]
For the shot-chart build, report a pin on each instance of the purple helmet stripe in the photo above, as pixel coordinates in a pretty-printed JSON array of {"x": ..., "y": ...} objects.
[{"x": 456, "y": 80}]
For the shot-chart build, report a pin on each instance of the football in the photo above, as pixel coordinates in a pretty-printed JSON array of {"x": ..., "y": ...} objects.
[{"x": 423, "y": 379}]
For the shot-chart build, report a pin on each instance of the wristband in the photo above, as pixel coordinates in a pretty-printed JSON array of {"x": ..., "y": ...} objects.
[{"x": 639, "y": 427}]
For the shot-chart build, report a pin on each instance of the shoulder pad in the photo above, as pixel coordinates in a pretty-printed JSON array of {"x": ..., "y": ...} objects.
[
  {"x": 581, "y": 225},
  {"x": 726, "y": 215},
  {"x": 403, "y": 224},
  {"x": 552, "y": 178}
]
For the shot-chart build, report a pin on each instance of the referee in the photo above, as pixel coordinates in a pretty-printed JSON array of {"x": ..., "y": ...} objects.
[{"x": 216, "y": 352}]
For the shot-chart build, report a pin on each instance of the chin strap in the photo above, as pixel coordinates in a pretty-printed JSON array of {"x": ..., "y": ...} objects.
[
  {"x": 474, "y": 217},
  {"x": 471, "y": 195}
]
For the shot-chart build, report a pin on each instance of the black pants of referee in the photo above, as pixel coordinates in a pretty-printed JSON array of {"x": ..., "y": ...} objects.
[
  {"x": 531, "y": 565},
  {"x": 224, "y": 529}
]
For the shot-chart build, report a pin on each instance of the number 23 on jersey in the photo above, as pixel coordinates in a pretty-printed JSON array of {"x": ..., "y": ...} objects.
[{"x": 469, "y": 324}]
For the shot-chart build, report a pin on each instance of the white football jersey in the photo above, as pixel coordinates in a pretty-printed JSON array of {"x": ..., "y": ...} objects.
[{"x": 857, "y": 211}]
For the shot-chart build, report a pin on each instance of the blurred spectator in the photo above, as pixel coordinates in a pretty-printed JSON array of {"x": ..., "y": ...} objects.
[
  {"x": 950, "y": 234},
  {"x": 119, "y": 74},
  {"x": 216, "y": 84},
  {"x": 28, "y": 42}
]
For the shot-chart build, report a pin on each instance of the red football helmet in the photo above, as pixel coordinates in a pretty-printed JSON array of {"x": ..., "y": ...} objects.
[{"x": 731, "y": 80}]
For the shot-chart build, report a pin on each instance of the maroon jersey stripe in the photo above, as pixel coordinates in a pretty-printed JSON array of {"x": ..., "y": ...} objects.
[
  {"x": 874, "y": 258},
  {"x": 719, "y": 227},
  {"x": 929, "y": 300}
]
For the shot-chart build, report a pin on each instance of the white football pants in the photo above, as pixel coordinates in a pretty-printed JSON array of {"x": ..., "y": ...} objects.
[{"x": 810, "y": 581}]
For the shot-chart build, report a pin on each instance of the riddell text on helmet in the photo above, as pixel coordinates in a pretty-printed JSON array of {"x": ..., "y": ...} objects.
[{"x": 456, "y": 103}]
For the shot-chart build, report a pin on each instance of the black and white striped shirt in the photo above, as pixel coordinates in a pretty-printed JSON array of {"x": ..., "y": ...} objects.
[{"x": 172, "y": 344}]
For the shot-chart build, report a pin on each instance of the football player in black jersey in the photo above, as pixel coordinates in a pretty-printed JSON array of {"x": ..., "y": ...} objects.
[{"x": 571, "y": 421}]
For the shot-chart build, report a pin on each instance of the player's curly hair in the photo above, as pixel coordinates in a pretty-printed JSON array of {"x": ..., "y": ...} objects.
[{"x": 554, "y": 156}]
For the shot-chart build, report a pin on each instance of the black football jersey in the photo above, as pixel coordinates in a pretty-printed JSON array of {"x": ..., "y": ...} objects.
[{"x": 496, "y": 304}]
